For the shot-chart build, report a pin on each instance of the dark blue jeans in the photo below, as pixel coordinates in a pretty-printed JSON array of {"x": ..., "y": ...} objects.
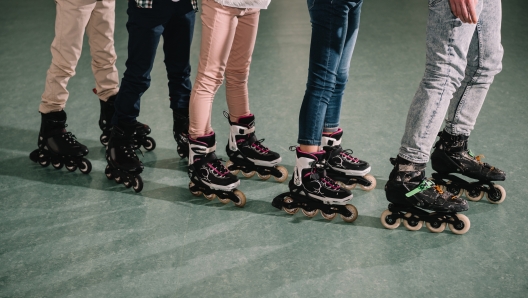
[
  {"x": 175, "y": 22},
  {"x": 335, "y": 25}
]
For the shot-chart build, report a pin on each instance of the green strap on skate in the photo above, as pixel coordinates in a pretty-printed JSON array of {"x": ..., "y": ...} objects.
[
  {"x": 423, "y": 186},
  {"x": 471, "y": 153}
]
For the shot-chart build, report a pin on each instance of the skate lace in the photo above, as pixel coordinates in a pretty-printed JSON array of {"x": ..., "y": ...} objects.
[
  {"x": 259, "y": 147},
  {"x": 347, "y": 154},
  {"x": 70, "y": 138},
  {"x": 318, "y": 168},
  {"x": 218, "y": 167}
]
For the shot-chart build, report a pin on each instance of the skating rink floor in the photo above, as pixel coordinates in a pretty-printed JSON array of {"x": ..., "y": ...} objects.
[{"x": 68, "y": 234}]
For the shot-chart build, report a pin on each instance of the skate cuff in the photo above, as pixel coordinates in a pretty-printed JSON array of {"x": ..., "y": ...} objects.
[{"x": 241, "y": 130}]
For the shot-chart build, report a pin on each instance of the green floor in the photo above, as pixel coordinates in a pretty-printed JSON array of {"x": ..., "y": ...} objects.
[{"x": 68, "y": 234}]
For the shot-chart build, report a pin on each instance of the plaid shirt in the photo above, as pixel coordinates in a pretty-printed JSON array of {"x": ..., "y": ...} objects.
[{"x": 148, "y": 4}]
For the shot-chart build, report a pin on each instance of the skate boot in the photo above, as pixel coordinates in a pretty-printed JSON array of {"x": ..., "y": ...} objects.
[
  {"x": 58, "y": 146},
  {"x": 141, "y": 137},
  {"x": 452, "y": 156},
  {"x": 347, "y": 170},
  {"x": 247, "y": 154},
  {"x": 180, "y": 130},
  {"x": 208, "y": 174},
  {"x": 411, "y": 196},
  {"x": 124, "y": 165},
  {"x": 312, "y": 190}
]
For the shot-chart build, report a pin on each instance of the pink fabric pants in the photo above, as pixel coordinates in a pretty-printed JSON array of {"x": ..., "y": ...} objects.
[
  {"x": 228, "y": 39},
  {"x": 73, "y": 18}
]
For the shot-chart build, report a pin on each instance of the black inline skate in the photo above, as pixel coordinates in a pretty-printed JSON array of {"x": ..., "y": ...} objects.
[
  {"x": 58, "y": 147},
  {"x": 412, "y": 195},
  {"x": 347, "y": 170},
  {"x": 312, "y": 190},
  {"x": 247, "y": 154},
  {"x": 452, "y": 156},
  {"x": 208, "y": 174},
  {"x": 180, "y": 130},
  {"x": 124, "y": 165},
  {"x": 142, "y": 130}
]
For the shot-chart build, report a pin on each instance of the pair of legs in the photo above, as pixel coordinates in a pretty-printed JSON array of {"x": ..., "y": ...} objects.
[
  {"x": 56, "y": 146},
  {"x": 73, "y": 19},
  {"x": 175, "y": 22}
]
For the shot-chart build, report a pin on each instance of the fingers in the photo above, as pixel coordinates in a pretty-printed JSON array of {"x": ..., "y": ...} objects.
[
  {"x": 465, "y": 10},
  {"x": 472, "y": 11}
]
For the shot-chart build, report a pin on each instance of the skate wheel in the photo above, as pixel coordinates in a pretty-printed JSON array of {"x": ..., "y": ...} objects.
[
  {"x": 210, "y": 197},
  {"x": 498, "y": 196},
  {"x": 127, "y": 184},
  {"x": 194, "y": 193},
  {"x": 249, "y": 174},
  {"x": 150, "y": 144},
  {"x": 230, "y": 163},
  {"x": 242, "y": 198},
  {"x": 224, "y": 201},
  {"x": 118, "y": 179},
  {"x": 328, "y": 216},
  {"x": 389, "y": 221},
  {"x": 138, "y": 184},
  {"x": 292, "y": 211},
  {"x": 474, "y": 194},
  {"x": 263, "y": 177},
  {"x": 43, "y": 162},
  {"x": 412, "y": 223},
  {"x": 352, "y": 217},
  {"x": 104, "y": 140},
  {"x": 347, "y": 186},
  {"x": 58, "y": 165},
  {"x": 435, "y": 226},
  {"x": 70, "y": 166},
  {"x": 456, "y": 191},
  {"x": 86, "y": 166},
  {"x": 372, "y": 183},
  {"x": 182, "y": 154},
  {"x": 462, "y": 227},
  {"x": 311, "y": 213},
  {"x": 284, "y": 173},
  {"x": 108, "y": 173}
]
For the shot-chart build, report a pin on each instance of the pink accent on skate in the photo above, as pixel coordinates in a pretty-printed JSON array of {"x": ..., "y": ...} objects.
[
  {"x": 221, "y": 173},
  {"x": 329, "y": 134},
  {"x": 311, "y": 153},
  {"x": 260, "y": 148},
  {"x": 350, "y": 157}
]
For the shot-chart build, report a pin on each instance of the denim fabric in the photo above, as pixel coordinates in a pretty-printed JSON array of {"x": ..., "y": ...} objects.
[
  {"x": 335, "y": 25},
  {"x": 461, "y": 62},
  {"x": 175, "y": 22}
]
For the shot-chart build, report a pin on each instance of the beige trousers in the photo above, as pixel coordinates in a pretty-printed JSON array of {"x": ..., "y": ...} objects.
[
  {"x": 73, "y": 18},
  {"x": 228, "y": 39}
]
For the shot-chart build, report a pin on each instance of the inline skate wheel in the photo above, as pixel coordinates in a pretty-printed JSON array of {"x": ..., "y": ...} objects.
[
  {"x": 104, "y": 140},
  {"x": 194, "y": 193},
  {"x": 388, "y": 221},
  {"x": 456, "y": 191},
  {"x": 248, "y": 174},
  {"x": 353, "y": 216},
  {"x": 181, "y": 153},
  {"x": 328, "y": 216},
  {"x": 57, "y": 165},
  {"x": 241, "y": 197},
  {"x": 263, "y": 177},
  {"x": 43, "y": 162},
  {"x": 498, "y": 196},
  {"x": 292, "y": 211},
  {"x": 108, "y": 173},
  {"x": 70, "y": 166},
  {"x": 118, "y": 179},
  {"x": 462, "y": 227},
  {"x": 372, "y": 181},
  {"x": 310, "y": 213},
  {"x": 127, "y": 184},
  {"x": 435, "y": 226},
  {"x": 474, "y": 194},
  {"x": 138, "y": 184},
  {"x": 150, "y": 144},
  {"x": 412, "y": 223},
  {"x": 210, "y": 197},
  {"x": 284, "y": 173},
  {"x": 347, "y": 186},
  {"x": 86, "y": 166},
  {"x": 230, "y": 163}
]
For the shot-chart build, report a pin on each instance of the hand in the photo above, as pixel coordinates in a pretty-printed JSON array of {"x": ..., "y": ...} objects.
[{"x": 465, "y": 10}]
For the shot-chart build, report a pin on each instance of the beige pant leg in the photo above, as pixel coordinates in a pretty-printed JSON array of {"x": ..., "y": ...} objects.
[
  {"x": 70, "y": 22},
  {"x": 237, "y": 70},
  {"x": 218, "y": 31},
  {"x": 100, "y": 31}
]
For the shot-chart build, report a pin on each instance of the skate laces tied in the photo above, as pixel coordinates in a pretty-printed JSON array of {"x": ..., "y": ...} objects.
[
  {"x": 319, "y": 167},
  {"x": 218, "y": 167},
  {"x": 348, "y": 155},
  {"x": 258, "y": 145}
]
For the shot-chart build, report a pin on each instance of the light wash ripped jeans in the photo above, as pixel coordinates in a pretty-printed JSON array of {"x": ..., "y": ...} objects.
[{"x": 461, "y": 62}]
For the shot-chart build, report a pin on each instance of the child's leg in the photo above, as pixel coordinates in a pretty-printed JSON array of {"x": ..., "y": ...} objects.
[
  {"x": 237, "y": 70},
  {"x": 100, "y": 31},
  {"x": 218, "y": 32},
  {"x": 66, "y": 47}
]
